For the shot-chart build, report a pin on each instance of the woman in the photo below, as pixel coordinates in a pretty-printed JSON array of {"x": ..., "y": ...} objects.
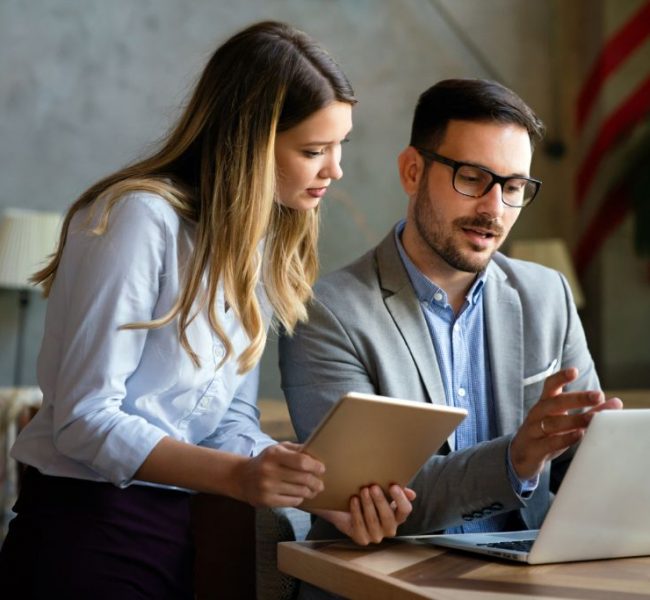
[{"x": 166, "y": 277}]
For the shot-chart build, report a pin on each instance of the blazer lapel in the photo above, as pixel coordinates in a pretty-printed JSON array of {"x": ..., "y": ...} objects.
[
  {"x": 504, "y": 325},
  {"x": 404, "y": 307}
]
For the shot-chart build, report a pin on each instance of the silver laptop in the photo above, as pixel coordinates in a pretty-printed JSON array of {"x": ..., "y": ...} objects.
[{"x": 602, "y": 509}]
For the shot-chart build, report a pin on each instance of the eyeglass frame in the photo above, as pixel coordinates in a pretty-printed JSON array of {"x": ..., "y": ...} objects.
[{"x": 456, "y": 165}]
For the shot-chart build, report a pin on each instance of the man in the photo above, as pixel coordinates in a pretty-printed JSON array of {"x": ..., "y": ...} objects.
[{"x": 435, "y": 314}]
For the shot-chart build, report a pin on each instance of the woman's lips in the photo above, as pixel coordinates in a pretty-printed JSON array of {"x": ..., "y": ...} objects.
[{"x": 317, "y": 192}]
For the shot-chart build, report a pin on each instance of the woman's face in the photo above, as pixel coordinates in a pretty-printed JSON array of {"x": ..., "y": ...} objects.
[{"x": 308, "y": 156}]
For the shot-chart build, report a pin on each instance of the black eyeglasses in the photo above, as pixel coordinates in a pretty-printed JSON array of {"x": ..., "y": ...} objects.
[{"x": 475, "y": 182}]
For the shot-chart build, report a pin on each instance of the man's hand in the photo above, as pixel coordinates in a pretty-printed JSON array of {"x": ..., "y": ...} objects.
[
  {"x": 282, "y": 475},
  {"x": 372, "y": 517},
  {"x": 549, "y": 429}
]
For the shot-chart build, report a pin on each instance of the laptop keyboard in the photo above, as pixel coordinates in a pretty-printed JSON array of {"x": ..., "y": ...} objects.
[{"x": 520, "y": 545}]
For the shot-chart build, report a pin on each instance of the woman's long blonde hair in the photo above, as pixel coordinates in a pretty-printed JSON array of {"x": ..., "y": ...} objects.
[{"x": 217, "y": 169}]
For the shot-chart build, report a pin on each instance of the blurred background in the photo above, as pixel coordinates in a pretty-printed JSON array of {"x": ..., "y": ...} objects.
[{"x": 87, "y": 86}]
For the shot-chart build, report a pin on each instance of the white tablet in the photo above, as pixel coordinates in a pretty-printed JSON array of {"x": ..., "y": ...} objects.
[{"x": 366, "y": 439}]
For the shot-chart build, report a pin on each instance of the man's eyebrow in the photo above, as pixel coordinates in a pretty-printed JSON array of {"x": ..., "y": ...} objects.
[{"x": 480, "y": 166}]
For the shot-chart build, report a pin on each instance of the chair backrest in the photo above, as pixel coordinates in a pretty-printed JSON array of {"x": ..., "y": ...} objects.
[
  {"x": 17, "y": 407},
  {"x": 273, "y": 525}
]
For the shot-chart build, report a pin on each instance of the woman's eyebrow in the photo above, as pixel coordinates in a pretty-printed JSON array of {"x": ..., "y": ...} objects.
[{"x": 328, "y": 142}]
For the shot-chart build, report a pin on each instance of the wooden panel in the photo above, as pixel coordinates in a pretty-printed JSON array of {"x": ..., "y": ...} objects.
[
  {"x": 224, "y": 531},
  {"x": 632, "y": 398}
]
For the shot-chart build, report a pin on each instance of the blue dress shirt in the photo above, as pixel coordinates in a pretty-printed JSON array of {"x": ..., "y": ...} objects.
[
  {"x": 110, "y": 394},
  {"x": 460, "y": 345}
]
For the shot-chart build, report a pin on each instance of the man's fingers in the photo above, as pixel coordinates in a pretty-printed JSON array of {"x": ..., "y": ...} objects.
[
  {"x": 554, "y": 383},
  {"x": 553, "y": 424},
  {"x": 401, "y": 503},
  {"x": 370, "y": 516},
  {"x": 567, "y": 401},
  {"x": 410, "y": 494},
  {"x": 609, "y": 404},
  {"x": 358, "y": 530},
  {"x": 558, "y": 424},
  {"x": 387, "y": 525},
  {"x": 556, "y": 444}
]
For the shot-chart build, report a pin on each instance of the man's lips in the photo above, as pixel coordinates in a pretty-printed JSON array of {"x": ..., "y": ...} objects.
[
  {"x": 317, "y": 192},
  {"x": 485, "y": 229},
  {"x": 482, "y": 233}
]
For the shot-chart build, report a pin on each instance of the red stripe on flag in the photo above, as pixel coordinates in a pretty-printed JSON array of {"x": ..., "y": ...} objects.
[
  {"x": 619, "y": 47},
  {"x": 627, "y": 114},
  {"x": 609, "y": 216}
]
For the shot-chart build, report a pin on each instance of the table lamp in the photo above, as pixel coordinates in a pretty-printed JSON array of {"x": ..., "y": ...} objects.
[
  {"x": 553, "y": 253},
  {"x": 27, "y": 238}
]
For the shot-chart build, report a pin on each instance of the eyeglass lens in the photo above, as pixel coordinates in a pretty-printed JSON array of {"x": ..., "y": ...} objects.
[{"x": 475, "y": 182}]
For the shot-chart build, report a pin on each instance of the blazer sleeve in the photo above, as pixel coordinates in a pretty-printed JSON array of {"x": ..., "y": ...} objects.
[{"x": 318, "y": 365}]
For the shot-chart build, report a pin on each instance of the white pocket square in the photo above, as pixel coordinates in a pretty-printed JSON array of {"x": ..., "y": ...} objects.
[{"x": 541, "y": 376}]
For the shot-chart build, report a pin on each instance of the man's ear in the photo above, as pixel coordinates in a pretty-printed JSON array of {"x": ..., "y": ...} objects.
[{"x": 411, "y": 168}]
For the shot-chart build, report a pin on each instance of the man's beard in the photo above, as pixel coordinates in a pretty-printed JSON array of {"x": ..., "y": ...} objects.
[{"x": 442, "y": 242}]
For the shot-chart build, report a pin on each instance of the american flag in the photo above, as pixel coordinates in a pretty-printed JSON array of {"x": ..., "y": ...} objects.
[{"x": 613, "y": 126}]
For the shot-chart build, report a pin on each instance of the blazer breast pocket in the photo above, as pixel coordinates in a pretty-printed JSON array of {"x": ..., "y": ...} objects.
[
  {"x": 542, "y": 375},
  {"x": 534, "y": 384}
]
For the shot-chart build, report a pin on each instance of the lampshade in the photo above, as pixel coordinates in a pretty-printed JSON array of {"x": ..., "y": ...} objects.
[
  {"x": 27, "y": 238},
  {"x": 553, "y": 253}
]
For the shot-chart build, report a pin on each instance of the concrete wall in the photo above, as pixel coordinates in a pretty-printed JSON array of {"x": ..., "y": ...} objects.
[{"x": 87, "y": 85}]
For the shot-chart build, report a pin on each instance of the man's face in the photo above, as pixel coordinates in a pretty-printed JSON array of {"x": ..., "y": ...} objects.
[{"x": 458, "y": 231}]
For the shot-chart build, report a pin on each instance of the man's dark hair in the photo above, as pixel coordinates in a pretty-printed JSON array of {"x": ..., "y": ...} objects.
[{"x": 478, "y": 100}]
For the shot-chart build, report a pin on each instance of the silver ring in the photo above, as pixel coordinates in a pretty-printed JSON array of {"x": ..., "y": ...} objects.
[{"x": 541, "y": 426}]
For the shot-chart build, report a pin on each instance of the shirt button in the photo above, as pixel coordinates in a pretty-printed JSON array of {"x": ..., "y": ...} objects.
[
  {"x": 461, "y": 392},
  {"x": 205, "y": 402},
  {"x": 456, "y": 327},
  {"x": 437, "y": 296}
]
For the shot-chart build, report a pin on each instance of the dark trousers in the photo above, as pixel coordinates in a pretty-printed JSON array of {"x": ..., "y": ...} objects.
[{"x": 79, "y": 539}]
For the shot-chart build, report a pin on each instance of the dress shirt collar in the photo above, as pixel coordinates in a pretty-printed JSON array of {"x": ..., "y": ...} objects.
[{"x": 425, "y": 289}]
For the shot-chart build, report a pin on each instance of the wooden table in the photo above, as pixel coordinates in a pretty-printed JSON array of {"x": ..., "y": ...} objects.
[{"x": 407, "y": 569}]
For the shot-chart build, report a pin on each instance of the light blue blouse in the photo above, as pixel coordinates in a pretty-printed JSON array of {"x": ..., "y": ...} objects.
[{"x": 109, "y": 394}]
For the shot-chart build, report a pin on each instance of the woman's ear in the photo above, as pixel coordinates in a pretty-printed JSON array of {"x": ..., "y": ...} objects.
[{"x": 411, "y": 168}]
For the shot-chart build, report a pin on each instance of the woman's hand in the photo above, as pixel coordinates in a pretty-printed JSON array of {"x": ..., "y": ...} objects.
[
  {"x": 282, "y": 475},
  {"x": 372, "y": 517}
]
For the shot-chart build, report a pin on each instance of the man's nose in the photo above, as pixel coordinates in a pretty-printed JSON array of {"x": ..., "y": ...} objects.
[{"x": 491, "y": 203}]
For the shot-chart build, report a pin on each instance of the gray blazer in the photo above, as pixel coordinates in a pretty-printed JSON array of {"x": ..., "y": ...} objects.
[{"x": 366, "y": 333}]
